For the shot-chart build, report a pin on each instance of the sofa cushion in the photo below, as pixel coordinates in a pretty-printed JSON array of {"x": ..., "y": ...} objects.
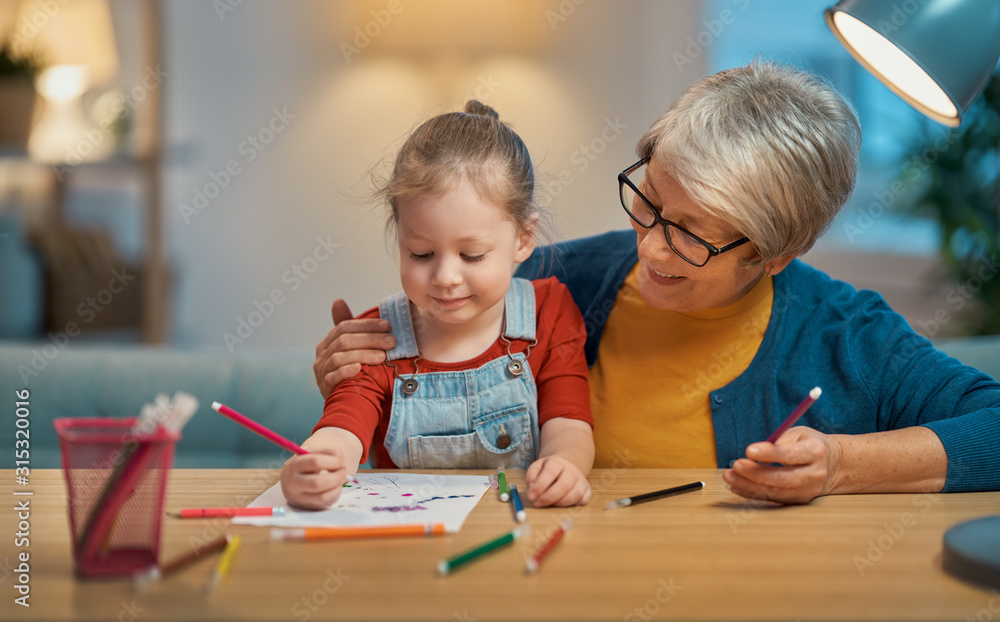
[{"x": 274, "y": 387}]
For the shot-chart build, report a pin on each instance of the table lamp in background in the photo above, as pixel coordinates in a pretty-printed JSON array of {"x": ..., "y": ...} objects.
[
  {"x": 77, "y": 43},
  {"x": 938, "y": 55}
]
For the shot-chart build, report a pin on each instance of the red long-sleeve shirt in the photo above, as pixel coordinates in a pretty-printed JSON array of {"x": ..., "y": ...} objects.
[{"x": 362, "y": 405}]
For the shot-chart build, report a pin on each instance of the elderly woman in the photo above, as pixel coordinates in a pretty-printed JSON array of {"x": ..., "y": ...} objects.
[{"x": 704, "y": 331}]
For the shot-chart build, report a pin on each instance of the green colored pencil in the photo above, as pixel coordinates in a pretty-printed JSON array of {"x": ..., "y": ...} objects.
[
  {"x": 447, "y": 565},
  {"x": 502, "y": 477}
]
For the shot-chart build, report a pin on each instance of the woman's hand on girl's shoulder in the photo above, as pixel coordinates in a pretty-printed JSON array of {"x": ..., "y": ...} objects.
[{"x": 349, "y": 345}]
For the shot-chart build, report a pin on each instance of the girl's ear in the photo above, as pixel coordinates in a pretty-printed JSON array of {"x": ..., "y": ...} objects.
[{"x": 526, "y": 239}]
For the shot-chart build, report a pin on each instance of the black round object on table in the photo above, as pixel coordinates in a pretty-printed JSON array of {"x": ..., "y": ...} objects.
[{"x": 972, "y": 551}]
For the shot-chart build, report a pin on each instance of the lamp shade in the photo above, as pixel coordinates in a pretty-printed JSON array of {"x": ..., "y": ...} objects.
[
  {"x": 75, "y": 32},
  {"x": 938, "y": 55}
]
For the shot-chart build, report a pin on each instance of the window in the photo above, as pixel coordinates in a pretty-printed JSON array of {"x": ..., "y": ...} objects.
[{"x": 795, "y": 32}]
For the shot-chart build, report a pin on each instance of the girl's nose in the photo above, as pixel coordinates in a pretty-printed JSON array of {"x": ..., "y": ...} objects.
[{"x": 447, "y": 274}]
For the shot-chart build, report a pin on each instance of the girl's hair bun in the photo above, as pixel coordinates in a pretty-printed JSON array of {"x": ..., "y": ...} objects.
[{"x": 474, "y": 106}]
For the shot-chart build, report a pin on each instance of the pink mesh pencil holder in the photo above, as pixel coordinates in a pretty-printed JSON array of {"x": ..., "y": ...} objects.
[{"x": 116, "y": 483}]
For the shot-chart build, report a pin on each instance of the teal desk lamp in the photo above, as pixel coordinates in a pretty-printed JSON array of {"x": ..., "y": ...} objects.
[{"x": 938, "y": 55}]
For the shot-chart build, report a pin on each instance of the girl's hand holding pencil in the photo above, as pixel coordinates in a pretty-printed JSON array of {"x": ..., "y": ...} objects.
[{"x": 314, "y": 481}]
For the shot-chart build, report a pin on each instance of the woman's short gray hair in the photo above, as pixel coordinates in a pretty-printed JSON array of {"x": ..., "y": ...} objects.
[{"x": 769, "y": 149}]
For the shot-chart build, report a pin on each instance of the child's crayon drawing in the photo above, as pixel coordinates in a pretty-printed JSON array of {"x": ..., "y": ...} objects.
[{"x": 384, "y": 498}]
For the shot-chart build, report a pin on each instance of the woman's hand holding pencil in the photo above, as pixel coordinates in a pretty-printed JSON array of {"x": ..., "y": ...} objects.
[{"x": 795, "y": 464}]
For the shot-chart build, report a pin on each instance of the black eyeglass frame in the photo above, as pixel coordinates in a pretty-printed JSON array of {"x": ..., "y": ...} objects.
[{"x": 713, "y": 250}]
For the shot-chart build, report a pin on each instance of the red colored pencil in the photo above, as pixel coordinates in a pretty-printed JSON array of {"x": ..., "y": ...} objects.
[
  {"x": 536, "y": 561},
  {"x": 258, "y": 428},
  {"x": 226, "y": 512}
]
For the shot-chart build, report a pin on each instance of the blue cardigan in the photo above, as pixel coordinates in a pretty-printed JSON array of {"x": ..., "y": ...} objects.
[{"x": 877, "y": 374}]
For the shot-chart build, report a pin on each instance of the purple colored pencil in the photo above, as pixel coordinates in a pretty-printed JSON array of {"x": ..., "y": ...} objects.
[{"x": 798, "y": 412}]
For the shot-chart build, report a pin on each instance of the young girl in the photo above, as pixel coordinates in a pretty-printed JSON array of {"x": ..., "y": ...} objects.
[{"x": 488, "y": 370}]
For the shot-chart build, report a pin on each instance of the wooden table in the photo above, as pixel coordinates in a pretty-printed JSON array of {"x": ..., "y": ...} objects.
[{"x": 703, "y": 555}]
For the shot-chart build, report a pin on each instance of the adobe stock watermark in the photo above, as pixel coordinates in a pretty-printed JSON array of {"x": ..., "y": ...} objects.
[
  {"x": 665, "y": 592},
  {"x": 990, "y": 612},
  {"x": 748, "y": 509},
  {"x": 87, "y": 311},
  {"x": 709, "y": 34},
  {"x": 370, "y": 30},
  {"x": 30, "y": 25},
  {"x": 249, "y": 149},
  {"x": 293, "y": 277},
  {"x": 90, "y": 139},
  {"x": 332, "y": 581},
  {"x": 624, "y": 459},
  {"x": 565, "y": 9},
  {"x": 582, "y": 158},
  {"x": 901, "y": 13},
  {"x": 719, "y": 371},
  {"x": 485, "y": 86},
  {"x": 892, "y": 533},
  {"x": 225, "y": 7},
  {"x": 958, "y": 297},
  {"x": 885, "y": 199}
]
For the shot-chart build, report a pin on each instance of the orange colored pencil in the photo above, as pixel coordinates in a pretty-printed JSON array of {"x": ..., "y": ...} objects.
[{"x": 375, "y": 531}]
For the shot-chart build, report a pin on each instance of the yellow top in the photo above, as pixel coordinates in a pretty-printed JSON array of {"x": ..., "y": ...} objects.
[{"x": 649, "y": 390}]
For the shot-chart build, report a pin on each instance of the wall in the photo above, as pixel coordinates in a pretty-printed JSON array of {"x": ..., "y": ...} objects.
[{"x": 580, "y": 81}]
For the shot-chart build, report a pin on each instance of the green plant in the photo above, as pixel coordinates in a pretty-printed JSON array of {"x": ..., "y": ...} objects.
[
  {"x": 954, "y": 178},
  {"x": 15, "y": 65}
]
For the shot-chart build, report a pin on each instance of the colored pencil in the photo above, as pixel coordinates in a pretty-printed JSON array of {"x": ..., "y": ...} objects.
[
  {"x": 246, "y": 422},
  {"x": 342, "y": 533},
  {"x": 225, "y": 563},
  {"x": 798, "y": 412},
  {"x": 502, "y": 477},
  {"x": 653, "y": 496},
  {"x": 445, "y": 566},
  {"x": 536, "y": 560},
  {"x": 226, "y": 512},
  {"x": 158, "y": 572},
  {"x": 519, "y": 514}
]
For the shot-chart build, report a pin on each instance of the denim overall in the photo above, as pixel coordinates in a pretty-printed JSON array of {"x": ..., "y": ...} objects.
[{"x": 453, "y": 420}]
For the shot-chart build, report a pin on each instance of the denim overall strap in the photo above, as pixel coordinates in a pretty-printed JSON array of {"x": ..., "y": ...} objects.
[
  {"x": 483, "y": 417},
  {"x": 396, "y": 309},
  {"x": 519, "y": 317}
]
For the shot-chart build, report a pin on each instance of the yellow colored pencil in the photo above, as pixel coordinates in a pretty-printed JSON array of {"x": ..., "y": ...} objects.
[{"x": 225, "y": 563}]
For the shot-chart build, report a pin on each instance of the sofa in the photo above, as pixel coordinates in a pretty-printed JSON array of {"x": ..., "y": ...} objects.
[{"x": 272, "y": 386}]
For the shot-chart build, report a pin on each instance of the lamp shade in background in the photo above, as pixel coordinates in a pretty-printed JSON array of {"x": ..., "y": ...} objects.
[
  {"x": 77, "y": 43},
  {"x": 938, "y": 55}
]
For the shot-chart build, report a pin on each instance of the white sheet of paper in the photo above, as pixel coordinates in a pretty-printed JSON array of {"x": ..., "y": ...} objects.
[{"x": 383, "y": 499}]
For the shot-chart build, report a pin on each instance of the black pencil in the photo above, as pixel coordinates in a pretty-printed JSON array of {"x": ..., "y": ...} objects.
[{"x": 652, "y": 496}]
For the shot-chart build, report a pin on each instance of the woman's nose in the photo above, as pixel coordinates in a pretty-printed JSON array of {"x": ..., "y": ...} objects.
[{"x": 653, "y": 243}]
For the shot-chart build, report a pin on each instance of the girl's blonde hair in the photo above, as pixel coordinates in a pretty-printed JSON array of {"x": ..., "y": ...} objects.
[
  {"x": 475, "y": 146},
  {"x": 769, "y": 149}
]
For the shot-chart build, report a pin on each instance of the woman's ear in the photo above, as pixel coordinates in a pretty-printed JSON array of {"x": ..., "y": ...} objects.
[
  {"x": 775, "y": 266},
  {"x": 526, "y": 239}
]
